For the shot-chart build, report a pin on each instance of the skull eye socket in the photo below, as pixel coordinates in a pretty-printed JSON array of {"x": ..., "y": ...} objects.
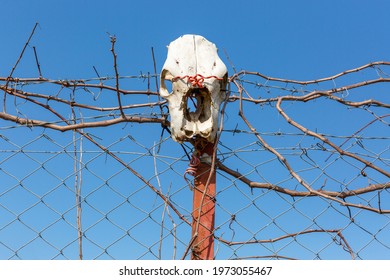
[{"x": 168, "y": 86}]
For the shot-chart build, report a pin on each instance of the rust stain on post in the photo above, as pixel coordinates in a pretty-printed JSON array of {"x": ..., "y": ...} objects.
[{"x": 204, "y": 209}]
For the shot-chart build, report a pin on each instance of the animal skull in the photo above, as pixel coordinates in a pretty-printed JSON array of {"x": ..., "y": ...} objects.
[{"x": 198, "y": 77}]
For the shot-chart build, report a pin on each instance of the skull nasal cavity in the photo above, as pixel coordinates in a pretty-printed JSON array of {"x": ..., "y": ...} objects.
[{"x": 197, "y": 105}]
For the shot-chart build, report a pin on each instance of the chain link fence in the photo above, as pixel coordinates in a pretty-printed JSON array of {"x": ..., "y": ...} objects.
[{"x": 302, "y": 169}]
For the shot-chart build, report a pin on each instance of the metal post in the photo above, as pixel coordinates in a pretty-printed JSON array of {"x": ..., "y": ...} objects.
[{"x": 204, "y": 208}]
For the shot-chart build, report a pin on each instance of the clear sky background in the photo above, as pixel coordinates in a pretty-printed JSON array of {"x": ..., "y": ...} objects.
[{"x": 300, "y": 40}]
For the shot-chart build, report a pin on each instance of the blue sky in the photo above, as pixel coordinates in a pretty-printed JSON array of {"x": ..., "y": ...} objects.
[{"x": 300, "y": 40}]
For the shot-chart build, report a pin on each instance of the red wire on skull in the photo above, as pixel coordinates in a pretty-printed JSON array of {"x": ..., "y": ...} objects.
[{"x": 196, "y": 80}]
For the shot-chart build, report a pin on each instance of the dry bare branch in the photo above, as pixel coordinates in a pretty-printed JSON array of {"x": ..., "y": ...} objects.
[
  {"x": 287, "y": 165},
  {"x": 294, "y": 193},
  {"x": 272, "y": 240},
  {"x": 317, "y": 94},
  {"x": 80, "y": 83},
  {"x": 13, "y": 91},
  {"x": 63, "y": 128},
  {"x": 327, "y": 141},
  {"x": 330, "y": 78}
]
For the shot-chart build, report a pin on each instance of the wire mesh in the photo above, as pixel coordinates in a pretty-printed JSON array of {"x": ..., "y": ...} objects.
[{"x": 302, "y": 170}]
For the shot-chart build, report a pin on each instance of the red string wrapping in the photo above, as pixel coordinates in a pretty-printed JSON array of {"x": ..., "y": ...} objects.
[
  {"x": 196, "y": 80},
  {"x": 192, "y": 168}
]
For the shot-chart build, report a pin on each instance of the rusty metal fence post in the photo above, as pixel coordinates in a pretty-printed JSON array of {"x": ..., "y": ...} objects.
[{"x": 203, "y": 212}]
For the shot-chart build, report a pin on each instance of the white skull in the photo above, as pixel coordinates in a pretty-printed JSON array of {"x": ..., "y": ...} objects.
[{"x": 198, "y": 76}]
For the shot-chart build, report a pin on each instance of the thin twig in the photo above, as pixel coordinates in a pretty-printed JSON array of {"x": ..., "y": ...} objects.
[
  {"x": 273, "y": 240},
  {"x": 343, "y": 241},
  {"x": 189, "y": 246},
  {"x": 78, "y": 183},
  {"x": 155, "y": 73},
  {"x": 37, "y": 62},
  {"x": 113, "y": 41},
  {"x": 16, "y": 64},
  {"x": 360, "y": 130},
  {"x": 347, "y": 246},
  {"x": 156, "y": 175},
  {"x": 173, "y": 225}
]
